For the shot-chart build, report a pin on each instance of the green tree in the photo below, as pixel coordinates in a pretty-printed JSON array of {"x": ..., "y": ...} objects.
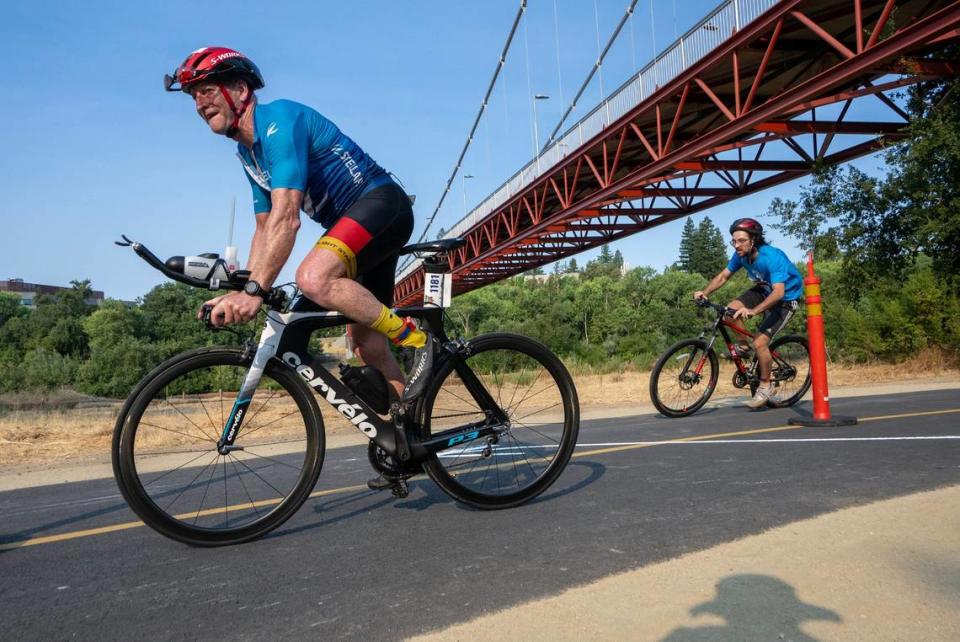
[
  {"x": 710, "y": 251},
  {"x": 882, "y": 225},
  {"x": 118, "y": 357},
  {"x": 687, "y": 239},
  {"x": 10, "y": 307}
]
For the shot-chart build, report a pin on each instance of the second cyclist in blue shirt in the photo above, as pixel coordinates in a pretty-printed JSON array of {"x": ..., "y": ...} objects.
[{"x": 777, "y": 290}]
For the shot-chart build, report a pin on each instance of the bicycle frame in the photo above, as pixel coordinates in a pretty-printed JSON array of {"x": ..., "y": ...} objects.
[
  {"x": 287, "y": 335},
  {"x": 720, "y": 326}
]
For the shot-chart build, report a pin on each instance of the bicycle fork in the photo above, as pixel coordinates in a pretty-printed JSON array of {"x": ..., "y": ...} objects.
[{"x": 269, "y": 340}]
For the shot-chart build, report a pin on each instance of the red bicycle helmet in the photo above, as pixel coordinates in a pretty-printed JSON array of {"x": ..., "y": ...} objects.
[
  {"x": 749, "y": 225},
  {"x": 216, "y": 64}
]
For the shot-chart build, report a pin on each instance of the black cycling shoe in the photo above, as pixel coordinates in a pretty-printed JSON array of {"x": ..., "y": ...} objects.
[
  {"x": 380, "y": 482},
  {"x": 420, "y": 369},
  {"x": 398, "y": 486}
]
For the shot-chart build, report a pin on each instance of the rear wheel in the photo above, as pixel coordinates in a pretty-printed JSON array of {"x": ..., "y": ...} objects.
[
  {"x": 170, "y": 470},
  {"x": 535, "y": 392},
  {"x": 683, "y": 378},
  {"x": 790, "y": 372}
]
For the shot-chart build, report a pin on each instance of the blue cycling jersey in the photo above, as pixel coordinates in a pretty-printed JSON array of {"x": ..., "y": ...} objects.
[
  {"x": 771, "y": 266},
  {"x": 295, "y": 147}
]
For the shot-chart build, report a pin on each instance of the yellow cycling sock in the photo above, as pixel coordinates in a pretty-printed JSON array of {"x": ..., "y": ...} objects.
[{"x": 399, "y": 331}]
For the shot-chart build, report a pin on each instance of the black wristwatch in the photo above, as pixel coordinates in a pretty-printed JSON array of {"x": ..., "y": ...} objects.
[{"x": 253, "y": 288}]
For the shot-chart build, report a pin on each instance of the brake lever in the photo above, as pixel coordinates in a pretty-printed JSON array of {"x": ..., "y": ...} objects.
[{"x": 206, "y": 315}]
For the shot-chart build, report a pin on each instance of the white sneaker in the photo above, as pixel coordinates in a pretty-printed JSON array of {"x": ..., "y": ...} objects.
[{"x": 760, "y": 398}]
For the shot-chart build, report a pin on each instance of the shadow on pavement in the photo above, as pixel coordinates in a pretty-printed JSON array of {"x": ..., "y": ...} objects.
[{"x": 755, "y": 607}]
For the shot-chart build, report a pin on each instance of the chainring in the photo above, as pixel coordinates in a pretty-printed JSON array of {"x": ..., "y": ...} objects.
[{"x": 739, "y": 380}]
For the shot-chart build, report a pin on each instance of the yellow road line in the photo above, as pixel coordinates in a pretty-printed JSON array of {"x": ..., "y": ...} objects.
[{"x": 49, "y": 539}]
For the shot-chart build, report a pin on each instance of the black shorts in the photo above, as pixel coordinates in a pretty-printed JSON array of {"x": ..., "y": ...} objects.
[
  {"x": 368, "y": 238},
  {"x": 774, "y": 319}
]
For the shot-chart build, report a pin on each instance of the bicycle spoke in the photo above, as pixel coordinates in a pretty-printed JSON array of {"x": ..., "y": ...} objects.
[
  {"x": 527, "y": 395},
  {"x": 274, "y": 460},
  {"x": 181, "y": 466},
  {"x": 178, "y": 432},
  {"x": 251, "y": 417},
  {"x": 517, "y": 386},
  {"x": 292, "y": 412},
  {"x": 532, "y": 429},
  {"x": 167, "y": 399},
  {"x": 536, "y": 412},
  {"x": 200, "y": 400},
  {"x": 226, "y": 502},
  {"x": 233, "y": 461},
  {"x": 260, "y": 477},
  {"x": 188, "y": 486},
  {"x": 213, "y": 471}
]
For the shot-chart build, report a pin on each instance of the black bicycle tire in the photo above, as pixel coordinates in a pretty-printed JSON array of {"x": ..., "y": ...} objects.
[
  {"x": 125, "y": 408},
  {"x": 658, "y": 368},
  {"x": 155, "y": 517},
  {"x": 794, "y": 398},
  {"x": 568, "y": 441}
]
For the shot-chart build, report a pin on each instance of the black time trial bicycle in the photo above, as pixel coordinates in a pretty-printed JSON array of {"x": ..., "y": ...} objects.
[
  {"x": 686, "y": 374},
  {"x": 220, "y": 445}
]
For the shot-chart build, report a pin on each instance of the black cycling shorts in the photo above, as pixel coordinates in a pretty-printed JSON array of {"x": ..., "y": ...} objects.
[
  {"x": 368, "y": 238},
  {"x": 774, "y": 319}
]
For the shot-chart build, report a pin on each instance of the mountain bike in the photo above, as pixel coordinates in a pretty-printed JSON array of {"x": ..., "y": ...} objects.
[
  {"x": 220, "y": 445},
  {"x": 686, "y": 374}
]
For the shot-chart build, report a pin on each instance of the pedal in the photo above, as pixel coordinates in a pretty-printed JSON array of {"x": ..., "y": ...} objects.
[{"x": 400, "y": 489}]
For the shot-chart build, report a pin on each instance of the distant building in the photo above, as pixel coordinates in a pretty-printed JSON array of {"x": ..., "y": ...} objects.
[{"x": 28, "y": 292}]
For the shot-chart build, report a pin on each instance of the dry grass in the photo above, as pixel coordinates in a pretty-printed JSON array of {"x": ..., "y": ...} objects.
[{"x": 57, "y": 436}]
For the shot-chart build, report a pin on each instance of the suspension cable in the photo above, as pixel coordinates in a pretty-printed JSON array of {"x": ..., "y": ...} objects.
[
  {"x": 556, "y": 33},
  {"x": 593, "y": 70},
  {"x": 483, "y": 106}
]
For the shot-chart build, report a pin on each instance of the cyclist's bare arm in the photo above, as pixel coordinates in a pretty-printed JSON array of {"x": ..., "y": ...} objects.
[
  {"x": 776, "y": 294},
  {"x": 714, "y": 284},
  {"x": 270, "y": 248},
  {"x": 275, "y": 235}
]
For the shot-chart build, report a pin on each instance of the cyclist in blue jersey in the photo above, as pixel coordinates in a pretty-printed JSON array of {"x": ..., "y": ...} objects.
[
  {"x": 776, "y": 294},
  {"x": 295, "y": 159}
]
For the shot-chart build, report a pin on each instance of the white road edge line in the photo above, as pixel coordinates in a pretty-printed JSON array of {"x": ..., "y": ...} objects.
[{"x": 769, "y": 441}]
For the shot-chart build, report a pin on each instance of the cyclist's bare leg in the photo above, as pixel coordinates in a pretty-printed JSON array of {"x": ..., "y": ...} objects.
[
  {"x": 761, "y": 343},
  {"x": 372, "y": 348},
  {"x": 739, "y": 340},
  {"x": 322, "y": 277}
]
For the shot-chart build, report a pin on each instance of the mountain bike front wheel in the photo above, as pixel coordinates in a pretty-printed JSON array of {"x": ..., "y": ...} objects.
[
  {"x": 683, "y": 378},
  {"x": 531, "y": 386},
  {"x": 168, "y": 466}
]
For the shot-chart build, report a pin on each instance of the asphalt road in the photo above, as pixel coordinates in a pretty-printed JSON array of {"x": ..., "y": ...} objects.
[{"x": 354, "y": 563}]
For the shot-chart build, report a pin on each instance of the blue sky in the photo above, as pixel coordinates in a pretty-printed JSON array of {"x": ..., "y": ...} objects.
[{"x": 95, "y": 148}]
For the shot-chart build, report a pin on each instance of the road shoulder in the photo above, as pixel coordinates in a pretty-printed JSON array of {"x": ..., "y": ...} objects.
[{"x": 885, "y": 571}]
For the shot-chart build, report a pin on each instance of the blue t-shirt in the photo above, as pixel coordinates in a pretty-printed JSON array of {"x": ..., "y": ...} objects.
[
  {"x": 771, "y": 266},
  {"x": 295, "y": 147}
]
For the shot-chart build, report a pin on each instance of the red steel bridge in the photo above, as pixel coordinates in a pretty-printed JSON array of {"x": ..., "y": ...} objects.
[{"x": 768, "y": 101}]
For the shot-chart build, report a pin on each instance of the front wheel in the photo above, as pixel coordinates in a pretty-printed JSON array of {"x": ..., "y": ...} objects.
[
  {"x": 790, "y": 372},
  {"x": 171, "y": 472},
  {"x": 683, "y": 378},
  {"x": 536, "y": 394}
]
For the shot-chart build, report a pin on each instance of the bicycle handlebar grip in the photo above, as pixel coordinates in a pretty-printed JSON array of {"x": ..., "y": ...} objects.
[{"x": 206, "y": 315}]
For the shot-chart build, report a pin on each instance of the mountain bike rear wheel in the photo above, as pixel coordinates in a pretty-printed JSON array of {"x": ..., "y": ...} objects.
[
  {"x": 683, "y": 378},
  {"x": 790, "y": 372},
  {"x": 168, "y": 466},
  {"x": 535, "y": 391}
]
